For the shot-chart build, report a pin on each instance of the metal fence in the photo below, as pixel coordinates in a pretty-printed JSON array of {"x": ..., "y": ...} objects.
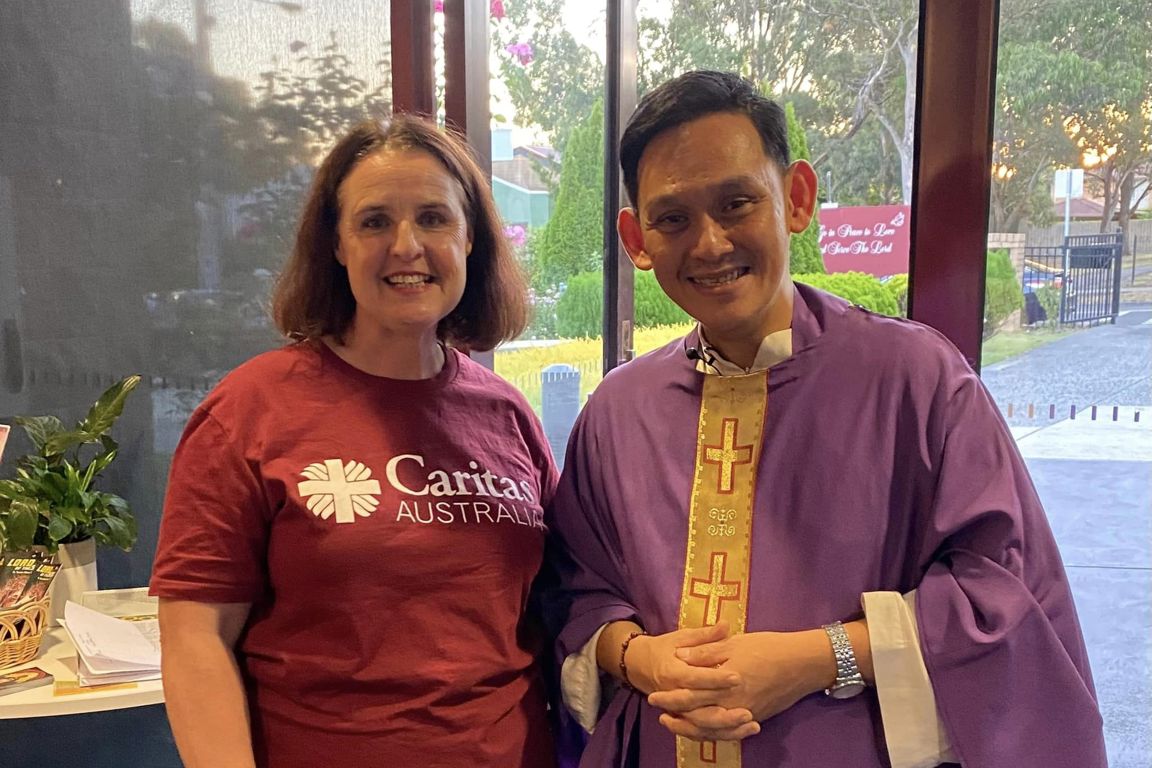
[{"x": 1084, "y": 273}]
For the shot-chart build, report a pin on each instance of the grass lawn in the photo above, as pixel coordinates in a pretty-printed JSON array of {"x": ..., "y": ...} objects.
[
  {"x": 522, "y": 367},
  {"x": 1008, "y": 344}
]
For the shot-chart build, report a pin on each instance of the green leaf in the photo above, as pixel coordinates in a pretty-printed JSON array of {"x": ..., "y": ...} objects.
[
  {"x": 108, "y": 444},
  {"x": 58, "y": 444},
  {"x": 59, "y": 527},
  {"x": 20, "y": 526},
  {"x": 11, "y": 489},
  {"x": 100, "y": 463},
  {"x": 117, "y": 503},
  {"x": 108, "y": 408},
  {"x": 40, "y": 428},
  {"x": 117, "y": 529},
  {"x": 75, "y": 515},
  {"x": 51, "y": 487}
]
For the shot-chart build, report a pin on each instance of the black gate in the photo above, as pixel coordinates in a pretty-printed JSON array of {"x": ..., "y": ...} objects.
[{"x": 1084, "y": 272}]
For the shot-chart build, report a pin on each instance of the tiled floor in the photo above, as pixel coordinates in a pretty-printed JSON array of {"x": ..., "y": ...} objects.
[{"x": 1095, "y": 479}]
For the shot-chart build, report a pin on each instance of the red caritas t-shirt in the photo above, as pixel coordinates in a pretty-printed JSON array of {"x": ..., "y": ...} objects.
[{"x": 386, "y": 533}]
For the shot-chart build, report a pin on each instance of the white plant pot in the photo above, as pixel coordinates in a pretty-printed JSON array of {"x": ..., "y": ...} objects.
[{"x": 76, "y": 576}]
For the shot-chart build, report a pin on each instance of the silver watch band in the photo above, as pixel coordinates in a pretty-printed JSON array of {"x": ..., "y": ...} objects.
[{"x": 849, "y": 681}]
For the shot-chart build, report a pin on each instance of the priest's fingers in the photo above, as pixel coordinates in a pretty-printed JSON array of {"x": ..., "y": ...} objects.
[
  {"x": 706, "y": 655},
  {"x": 682, "y": 701},
  {"x": 700, "y": 678},
  {"x": 683, "y": 638},
  {"x": 683, "y": 727},
  {"x": 715, "y": 718}
]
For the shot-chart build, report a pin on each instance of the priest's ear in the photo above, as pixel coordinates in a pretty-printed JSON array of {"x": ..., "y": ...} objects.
[
  {"x": 799, "y": 195},
  {"x": 628, "y": 224}
]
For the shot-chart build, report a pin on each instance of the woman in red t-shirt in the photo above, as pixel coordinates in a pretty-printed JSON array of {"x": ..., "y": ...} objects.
[{"x": 353, "y": 521}]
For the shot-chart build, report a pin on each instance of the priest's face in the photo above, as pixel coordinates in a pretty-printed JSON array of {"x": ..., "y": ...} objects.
[{"x": 713, "y": 221}]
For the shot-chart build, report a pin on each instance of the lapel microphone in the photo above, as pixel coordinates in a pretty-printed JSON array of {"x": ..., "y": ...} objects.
[{"x": 696, "y": 354}]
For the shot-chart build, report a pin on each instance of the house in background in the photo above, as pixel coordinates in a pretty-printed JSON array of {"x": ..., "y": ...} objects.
[{"x": 521, "y": 193}]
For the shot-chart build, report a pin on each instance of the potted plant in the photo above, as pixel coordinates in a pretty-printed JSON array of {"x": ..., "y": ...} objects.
[{"x": 52, "y": 501}]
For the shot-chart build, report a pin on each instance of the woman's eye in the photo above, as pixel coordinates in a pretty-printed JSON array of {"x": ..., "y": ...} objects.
[{"x": 373, "y": 222}]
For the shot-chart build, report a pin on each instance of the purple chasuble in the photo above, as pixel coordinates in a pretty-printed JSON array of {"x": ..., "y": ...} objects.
[{"x": 885, "y": 466}]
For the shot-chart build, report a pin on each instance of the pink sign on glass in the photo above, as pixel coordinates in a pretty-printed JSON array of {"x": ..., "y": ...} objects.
[
  {"x": 3, "y": 438},
  {"x": 872, "y": 239}
]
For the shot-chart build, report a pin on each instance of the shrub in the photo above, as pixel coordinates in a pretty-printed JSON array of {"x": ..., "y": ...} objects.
[
  {"x": 856, "y": 287},
  {"x": 1049, "y": 298},
  {"x": 804, "y": 247},
  {"x": 897, "y": 285},
  {"x": 580, "y": 310},
  {"x": 1002, "y": 292},
  {"x": 653, "y": 307}
]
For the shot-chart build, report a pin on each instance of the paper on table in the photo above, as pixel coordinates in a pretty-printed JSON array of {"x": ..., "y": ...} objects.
[
  {"x": 86, "y": 677},
  {"x": 133, "y": 602},
  {"x": 108, "y": 644}
]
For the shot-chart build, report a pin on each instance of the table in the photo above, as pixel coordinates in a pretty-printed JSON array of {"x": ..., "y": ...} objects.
[{"x": 58, "y": 658}]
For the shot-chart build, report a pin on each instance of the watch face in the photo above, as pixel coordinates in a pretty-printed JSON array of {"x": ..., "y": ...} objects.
[{"x": 847, "y": 690}]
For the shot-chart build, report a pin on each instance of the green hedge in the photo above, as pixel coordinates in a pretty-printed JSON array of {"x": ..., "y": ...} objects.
[
  {"x": 1002, "y": 292},
  {"x": 856, "y": 287},
  {"x": 580, "y": 310},
  {"x": 897, "y": 285}
]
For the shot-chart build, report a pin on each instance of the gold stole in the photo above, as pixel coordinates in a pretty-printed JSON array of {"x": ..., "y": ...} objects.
[{"x": 720, "y": 525}]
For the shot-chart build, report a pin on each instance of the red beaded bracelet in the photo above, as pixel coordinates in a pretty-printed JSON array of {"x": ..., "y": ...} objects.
[{"x": 624, "y": 667}]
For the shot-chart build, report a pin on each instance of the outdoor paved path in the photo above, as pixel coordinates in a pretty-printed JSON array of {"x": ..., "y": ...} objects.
[
  {"x": 1106, "y": 365},
  {"x": 1095, "y": 480}
]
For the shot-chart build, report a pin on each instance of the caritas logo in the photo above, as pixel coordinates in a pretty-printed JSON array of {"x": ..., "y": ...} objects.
[{"x": 873, "y": 239}]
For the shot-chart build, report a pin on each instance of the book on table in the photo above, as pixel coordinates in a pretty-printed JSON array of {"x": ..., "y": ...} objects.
[
  {"x": 110, "y": 649},
  {"x": 23, "y": 679}
]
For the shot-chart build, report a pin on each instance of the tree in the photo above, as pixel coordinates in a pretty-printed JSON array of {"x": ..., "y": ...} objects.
[
  {"x": 804, "y": 246},
  {"x": 1073, "y": 90},
  {"x": 869, "y": 73},
  {"x": 573, "y": 239},
  {"x": 303, "y": 107},
  {"x": 771, "y": 43},
  {"x": 552, "y": 79}
]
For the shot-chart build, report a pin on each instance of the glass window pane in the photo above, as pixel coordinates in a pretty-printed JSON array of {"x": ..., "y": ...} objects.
[
  {"x": 1067, "y": 350},
  {"x": 548, "y": 179},
  {"x": 156, "y": 153},
  {"x": 846, "y": 73}
]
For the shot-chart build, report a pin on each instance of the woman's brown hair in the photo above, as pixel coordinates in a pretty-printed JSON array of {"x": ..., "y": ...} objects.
[{"x": 313, "y": 297}]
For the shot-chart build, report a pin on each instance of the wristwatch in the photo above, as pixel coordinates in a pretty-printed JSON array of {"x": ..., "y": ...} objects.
[{"x": 849, "y": 681}]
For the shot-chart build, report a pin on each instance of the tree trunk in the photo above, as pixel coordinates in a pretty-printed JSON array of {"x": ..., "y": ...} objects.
[
  {"x": 1108, "y": 179},
  {"x": 1124, "y": 214},
  {"x": 908, "y": 54}
]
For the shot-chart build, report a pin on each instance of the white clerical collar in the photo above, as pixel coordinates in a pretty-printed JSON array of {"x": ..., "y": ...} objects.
[{"x": 774, "y": 348}]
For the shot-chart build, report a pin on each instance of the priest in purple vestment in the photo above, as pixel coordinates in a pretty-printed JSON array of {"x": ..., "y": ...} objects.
[{"x": 802, "y": 535}]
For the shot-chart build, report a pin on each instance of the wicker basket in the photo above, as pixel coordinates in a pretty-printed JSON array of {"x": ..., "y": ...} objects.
[{"x": 21, "y": 630}]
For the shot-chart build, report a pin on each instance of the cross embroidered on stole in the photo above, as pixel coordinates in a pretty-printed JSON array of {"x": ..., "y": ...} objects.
[{"x": 720, "y": 525}]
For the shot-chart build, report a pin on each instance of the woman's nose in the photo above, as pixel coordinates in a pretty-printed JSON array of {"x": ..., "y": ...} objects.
[{"x": 407, "y": 243}]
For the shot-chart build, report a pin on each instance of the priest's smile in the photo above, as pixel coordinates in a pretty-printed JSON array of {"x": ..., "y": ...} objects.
[{"x": 717, "y": 280}]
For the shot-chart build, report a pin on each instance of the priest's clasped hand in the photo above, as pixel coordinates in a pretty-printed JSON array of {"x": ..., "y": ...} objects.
[
  {"x": 775, "y": 670},
  {"x": 656, "y": 668}
]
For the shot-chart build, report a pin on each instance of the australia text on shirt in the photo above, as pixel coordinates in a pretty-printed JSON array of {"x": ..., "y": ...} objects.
[{"x": 344, "y": 491}]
